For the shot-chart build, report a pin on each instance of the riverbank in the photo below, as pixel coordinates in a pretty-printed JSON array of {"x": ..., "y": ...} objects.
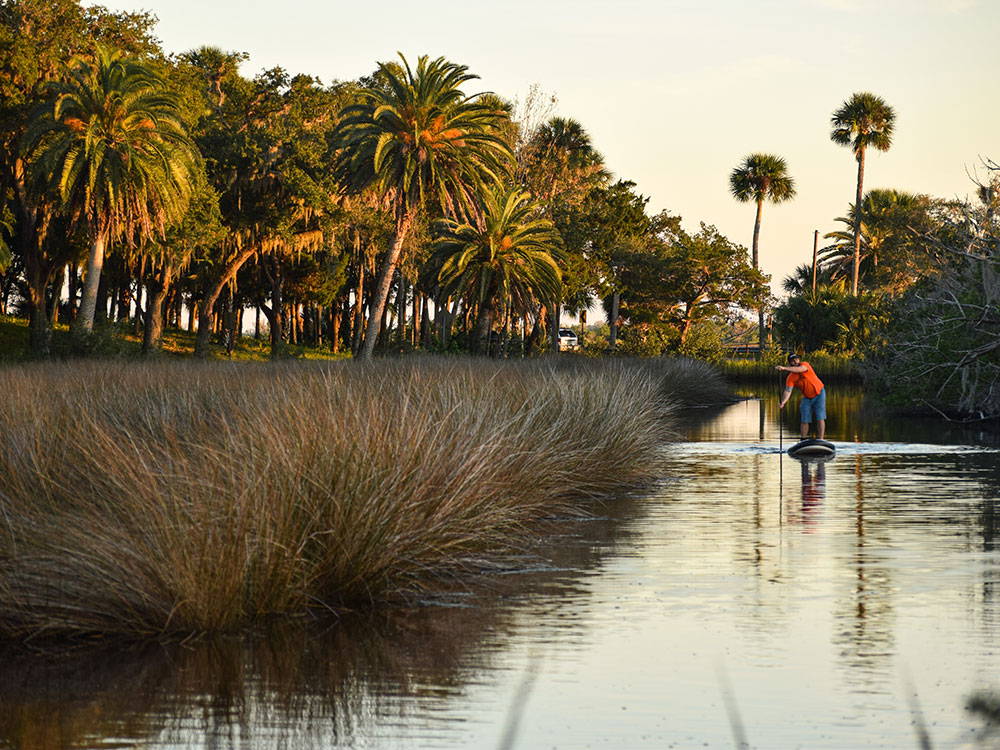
[
  {"x": 181, "y": 497},
  {"x": 831, "y": 368},
  {"x": 123, "y": 341}
]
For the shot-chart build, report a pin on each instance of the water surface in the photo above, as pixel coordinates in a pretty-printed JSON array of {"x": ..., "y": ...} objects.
[{"x": 816, "y": 605}]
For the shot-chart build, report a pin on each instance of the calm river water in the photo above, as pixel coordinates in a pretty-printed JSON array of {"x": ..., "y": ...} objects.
[{"x": 749, "y": 597}]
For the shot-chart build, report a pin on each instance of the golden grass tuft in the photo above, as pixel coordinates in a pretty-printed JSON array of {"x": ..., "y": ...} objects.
[{"x": 186, "y": 497}]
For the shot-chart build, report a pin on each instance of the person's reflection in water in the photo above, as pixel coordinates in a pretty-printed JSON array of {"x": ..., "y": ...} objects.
[{"x": 813, "y": 491}]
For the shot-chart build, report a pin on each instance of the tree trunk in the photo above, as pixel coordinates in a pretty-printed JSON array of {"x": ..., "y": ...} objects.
[
  {"x": 380, "y": 333},
  {"x": 122, "y": 299},
  {"x": 207, "y": 303},
  {"x": 815, "y": 252},
  {"x": 74, "y": 289},
  {"x": 401, "y": 310},
  {"x": 445, "y": 327},
  {"x": 228, "y": 327},
  {"x": 377, "y": 304},
  {"x": 277, "y": 310},
  {"x": 83, "y": 324},
  {"x": 156, "y": 293},
  {"x": 101, "y": 315},
  {"x": 39, "y": 330},
  {"x": 613, "y": 323},
  {"x": 538, "y": 329},
  {"x": 175, "y": 315},
  {"x": 358, "y": 310},
  {"x": 415, "y": 317},
  {"x": 756, "y": 235},
  {"x": 32, "y": 225},
  {"x": 686, "y": 325},
  {"x": 334, "y": 329},
  {"x": 140, "y": 315},
  {"x": 756, "y": 266},
  {"x": 55, "y": 296},
  {"x": 483, "y": 328},
  {"x": 857, "y": 223},
  {"x": 425, "y": 328},
  {"x": 556, "y": 310}
]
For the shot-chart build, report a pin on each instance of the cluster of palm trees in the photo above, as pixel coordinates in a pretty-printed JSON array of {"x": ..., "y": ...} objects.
[
  {"x": 109, "y": 148},
  {"x": 863, "y": 121},
  {"x": 420, "y": 140},
  {"x": 330, "y": 210}
]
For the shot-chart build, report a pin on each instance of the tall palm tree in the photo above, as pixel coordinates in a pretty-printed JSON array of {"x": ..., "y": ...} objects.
[
  {"x": 503, "y": 265},
  {"x": 110, "y": 142},
  {"x": 761, "y": 177},
  {"x": 863, "y": 120},
  {"x": 418, "y": 139}
]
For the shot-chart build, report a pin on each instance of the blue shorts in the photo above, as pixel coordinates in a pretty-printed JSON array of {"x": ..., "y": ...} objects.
[{"x": 812, "y": 409}]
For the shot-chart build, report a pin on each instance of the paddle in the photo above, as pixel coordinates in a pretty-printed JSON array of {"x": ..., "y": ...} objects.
[
  {"x": 781, "y": 414},
  {"x": 781, "y": 448}
]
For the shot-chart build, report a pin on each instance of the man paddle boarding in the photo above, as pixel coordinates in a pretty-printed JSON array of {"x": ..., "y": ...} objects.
[{"x": 812, "y": 408}]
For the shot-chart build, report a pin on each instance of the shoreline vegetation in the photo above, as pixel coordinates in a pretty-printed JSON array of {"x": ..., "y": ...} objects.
[
  {"x": 171, "y": 498},
  {"x": 830, "y": 367}
]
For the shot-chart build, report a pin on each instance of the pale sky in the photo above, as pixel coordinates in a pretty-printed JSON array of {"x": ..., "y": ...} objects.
[{"x": 675, "y": 93}]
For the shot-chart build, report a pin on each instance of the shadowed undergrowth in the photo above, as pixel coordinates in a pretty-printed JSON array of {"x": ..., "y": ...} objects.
[{"x": 178, "y": 497}]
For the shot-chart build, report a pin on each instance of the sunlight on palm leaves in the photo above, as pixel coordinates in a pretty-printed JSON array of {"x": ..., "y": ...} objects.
[
  {"x": 417, "y": 140},
  {"x": 420, "y": 138},
  {"x": 110, "y": 142}
]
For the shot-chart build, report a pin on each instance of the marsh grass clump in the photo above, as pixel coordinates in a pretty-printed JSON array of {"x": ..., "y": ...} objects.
[
  {"x": 184, "y": 497},
  {"x": 688, "y": 382},
  {"x": 681, "y": 381}
]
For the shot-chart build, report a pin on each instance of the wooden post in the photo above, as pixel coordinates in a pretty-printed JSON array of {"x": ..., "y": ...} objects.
[{"x": 815, "y": 250}]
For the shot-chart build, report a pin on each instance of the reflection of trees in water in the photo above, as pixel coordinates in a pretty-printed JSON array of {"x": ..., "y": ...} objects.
[
  {"x": 991, "y": 576},
  {"x": 324, "y": 687},
  {"x": 944, "y": 501},
  {"x": 864, "y": 630},
  {"x": 853, "y": 417},
  {"x": 222, "y": 690},
  {"x": 911, "y": 497}
]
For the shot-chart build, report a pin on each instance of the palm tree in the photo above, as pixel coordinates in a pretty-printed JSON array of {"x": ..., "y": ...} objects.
[
  {"x": 761, "y": 177},
  {"x": 799, "y": 282},
  {"x": 863, "y": 120},
  {"x": 418, "y": 139},
  {"x": 560, "y": 166},
  {"x": 110, "y": 142},
  {"x": 889, "y": 219},
  {"x": 561, "y": 158},
  {"x": 502, "y": 265}
]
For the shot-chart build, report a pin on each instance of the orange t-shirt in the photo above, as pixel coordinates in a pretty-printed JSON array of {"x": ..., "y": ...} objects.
[{"x": 807, "y": 381}]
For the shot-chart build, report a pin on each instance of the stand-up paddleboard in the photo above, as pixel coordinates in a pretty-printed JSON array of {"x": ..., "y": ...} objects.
[{"x": 812, "y": 447}]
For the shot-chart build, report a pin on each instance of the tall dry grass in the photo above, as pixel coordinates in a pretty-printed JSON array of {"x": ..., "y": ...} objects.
[{"x": 180, "y": 497}]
